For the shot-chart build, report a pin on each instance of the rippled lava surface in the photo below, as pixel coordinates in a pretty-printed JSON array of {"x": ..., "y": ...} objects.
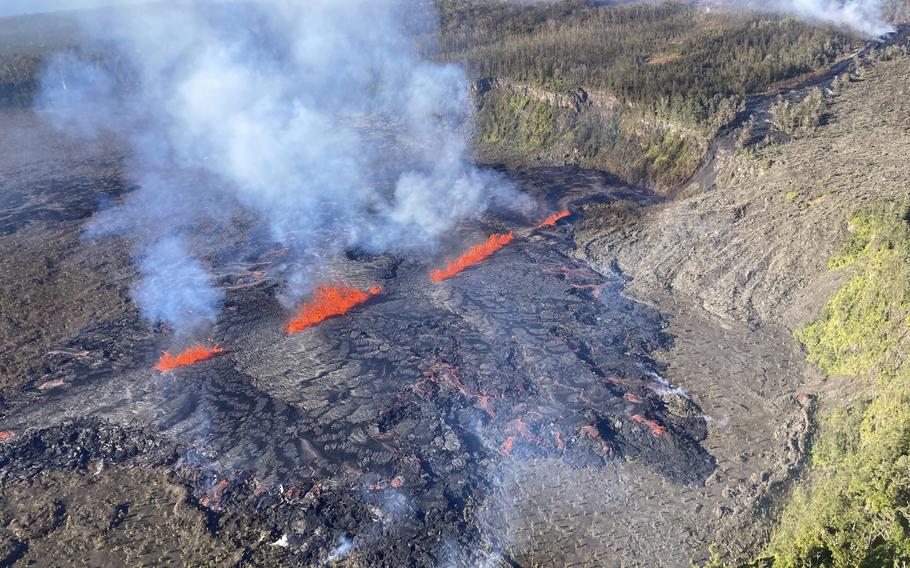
[{"x": 382, "y": 430}]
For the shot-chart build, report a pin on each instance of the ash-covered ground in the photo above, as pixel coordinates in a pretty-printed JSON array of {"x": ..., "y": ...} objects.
[{"x": 386, "y": 436}]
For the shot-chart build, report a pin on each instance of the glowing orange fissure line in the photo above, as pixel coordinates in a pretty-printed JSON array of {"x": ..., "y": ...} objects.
[
  {"x": 551, "y": 220},
  {"x": 190, "y": 356},
  {"x": 656, "y": 428},
  {"x": 329, "y": 301},
  {"x": 474, "y": 255}
]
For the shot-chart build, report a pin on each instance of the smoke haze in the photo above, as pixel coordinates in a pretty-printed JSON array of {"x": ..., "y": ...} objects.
[
  {"x": 864, "y": 16},
  {"x": 270, "y": 108},
  {"x": 20, "y": 7}
]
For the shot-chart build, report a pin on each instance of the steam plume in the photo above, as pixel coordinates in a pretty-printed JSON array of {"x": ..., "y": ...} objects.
[
  {"x": 864, "y": 16},
  {"x": 269, "y": 108},
  {"x": 19, "y": 7},
  {"x": 175, "y": 288}
]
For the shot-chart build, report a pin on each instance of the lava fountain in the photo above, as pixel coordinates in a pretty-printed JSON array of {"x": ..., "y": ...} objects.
[
  {"x": 551, "y": 220},
  {"x": 190, "y": 356},
  {"x": 327, "y": 302},
  {"x": 476, "y": 254}
]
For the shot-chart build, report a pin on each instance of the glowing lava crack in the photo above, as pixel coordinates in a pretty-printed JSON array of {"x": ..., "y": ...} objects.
[
  {"x": 190, "y": 356},
  {"x": 552, "y": 219},
  {"x": 327, "y": 302},
  {"x": 475, "y": 255}
]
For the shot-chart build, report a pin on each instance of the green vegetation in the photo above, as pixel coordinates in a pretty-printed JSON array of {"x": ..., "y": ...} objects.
[
  {"x": 660, "y": 79},
  {"x": 801, "y": 117},
  {"x": 529, "y": 123},
  {"x": 624, "y": 141},
  {"x": 669, "y": 58},
  {"x": 663, "y": 77},
  {"x": 855, "y": 508},
  {"x": 861, "y": 232},
  {"x": 867, "y": 318}
]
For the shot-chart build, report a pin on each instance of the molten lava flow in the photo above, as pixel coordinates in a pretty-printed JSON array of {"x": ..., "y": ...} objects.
[
  {"x": 518, "y": 426},
  {"x": 446, "y": 375},
  {"x": 51, "y": 384},
  {"x": 591, "y": 432},
  {"x": 559, "y": 441},
  {"x": 191, "y": 356},
  {"x": 633, "y": 398},
  {"x": 213, "y": 499},
  {"x": 393, "y": 483},
  {"x": 519, "y": 430},
  {"x": 473, "y": 256},
  {"x": 507, "y": 445},
  {"x": 551, "y": 220},
  {"x": 7, "y": 435},
  {"x": 327, "y": 302},
  {"x": 654, "y": 425}
]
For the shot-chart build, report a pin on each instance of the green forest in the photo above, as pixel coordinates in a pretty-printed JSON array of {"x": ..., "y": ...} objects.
[{"x": 670, "y": 58}]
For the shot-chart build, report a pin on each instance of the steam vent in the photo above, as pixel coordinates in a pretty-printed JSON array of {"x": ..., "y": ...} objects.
[{"x": 446, "y": 283}]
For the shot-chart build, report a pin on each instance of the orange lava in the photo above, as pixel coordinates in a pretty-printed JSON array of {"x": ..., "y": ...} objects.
[
  {"x": 393, "y": 483},
  {"x": 7, "y": 435},
  {"x": 51, "y": 384},
  {"x": 591, "y": 432},
  {"x": 327, "y": 302},
  {"x": 559, "y": 442},
  {"x": 654, "y": 425},
  {"x": 213, "y": 499},
  {"x": 191, "y": 356},
  {"x": 476, "y": 254},
  {"x": 484, "y": 402},
  {"x": 507, "y": 445},
  {"x": 519, "y": 431},
  {"x": 551, "y": 220},
  {"x": 446, "y": 375},
  {"x": 633, "y": 398},
  {"x": 628, "y": 383},
  {"x": 518, "y": 426}
]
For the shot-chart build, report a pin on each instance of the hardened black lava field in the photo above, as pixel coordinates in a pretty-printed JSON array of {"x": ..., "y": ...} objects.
[{"x": 381, "y": 433}]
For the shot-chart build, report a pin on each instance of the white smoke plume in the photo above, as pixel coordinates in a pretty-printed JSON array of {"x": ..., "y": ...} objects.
[
  {"x": 174, "y": 286},
  {"x": 20, "y": 7},
  {"x": 863, "y": 16},
  {"x": 271, "y": 108}
]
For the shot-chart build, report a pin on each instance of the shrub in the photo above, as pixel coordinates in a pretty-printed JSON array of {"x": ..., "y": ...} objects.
[
  {"x": 801, "y": 117},
  {"x": 855, "y": 510}
]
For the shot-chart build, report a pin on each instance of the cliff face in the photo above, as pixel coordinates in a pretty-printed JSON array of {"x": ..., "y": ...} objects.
[{"x": 520, "y": 124}]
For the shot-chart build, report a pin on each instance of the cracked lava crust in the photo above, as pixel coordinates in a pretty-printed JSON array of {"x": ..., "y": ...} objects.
[{"x": 384, "y": 427}]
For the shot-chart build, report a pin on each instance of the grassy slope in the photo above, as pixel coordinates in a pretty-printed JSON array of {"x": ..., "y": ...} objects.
[
  {"x": 852, "y": 508},
  {"x": 856, "y": 509}
]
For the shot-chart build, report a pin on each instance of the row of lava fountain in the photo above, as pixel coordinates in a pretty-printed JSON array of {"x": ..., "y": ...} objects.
[{"x": 330, "y": 301}]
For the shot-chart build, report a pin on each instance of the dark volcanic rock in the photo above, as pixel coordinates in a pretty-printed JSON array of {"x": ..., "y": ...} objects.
[
  {"x": 76, "y": 444},
  {"x": 376, "y": 434}
]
